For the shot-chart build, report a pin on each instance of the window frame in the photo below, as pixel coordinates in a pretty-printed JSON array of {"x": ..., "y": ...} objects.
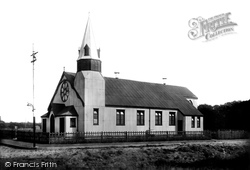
[
  {"x": 120, "y": 118},
  {"x": 172, "y": 118},
  {"x": 158, "y": 118},
  {"x": 192, "y": 121},
  {"x": 73, "y": 125},
  {"x": 140, "y": 115},
  {"x": 97, "y": 118},
  {"x": 198, "y": 122}
]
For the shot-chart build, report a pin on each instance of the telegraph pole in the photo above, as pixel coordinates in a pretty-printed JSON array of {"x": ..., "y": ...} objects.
[{"x": 33, "y": 105}]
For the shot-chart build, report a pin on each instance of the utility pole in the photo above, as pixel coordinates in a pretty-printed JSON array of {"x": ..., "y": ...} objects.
[{"x": 33, "y": 105}]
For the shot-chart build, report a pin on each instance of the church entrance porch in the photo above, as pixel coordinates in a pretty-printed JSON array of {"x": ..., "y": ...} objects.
[
  {"x": 180, "y": 125},
  {"x": 62, "y": 125}
]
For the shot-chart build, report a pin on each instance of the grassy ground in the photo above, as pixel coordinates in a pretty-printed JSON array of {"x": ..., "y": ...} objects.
[{"x": 231, "y": 153}]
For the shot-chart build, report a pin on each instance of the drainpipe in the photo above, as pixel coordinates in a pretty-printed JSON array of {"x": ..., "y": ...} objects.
[{"x": 149, "y": 127}]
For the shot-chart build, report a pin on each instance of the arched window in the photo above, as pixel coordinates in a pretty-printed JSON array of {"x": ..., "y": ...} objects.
[{"x": 86, "y": 50}]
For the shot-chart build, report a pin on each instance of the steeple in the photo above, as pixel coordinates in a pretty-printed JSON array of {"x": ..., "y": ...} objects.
[
  {"x": 88, "y": 48},
  {"x": 89, "y": 55}
]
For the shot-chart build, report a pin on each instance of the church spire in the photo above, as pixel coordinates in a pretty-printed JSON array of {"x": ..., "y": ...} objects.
[
  {"x": 89, "y": 55},
  {"x": 88, "y": 48}
]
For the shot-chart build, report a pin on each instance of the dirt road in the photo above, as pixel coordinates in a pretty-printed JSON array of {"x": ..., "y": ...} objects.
[{"x": 131, "y": 155}]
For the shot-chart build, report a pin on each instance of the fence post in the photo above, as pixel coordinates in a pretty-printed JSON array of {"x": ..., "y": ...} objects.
[
  {"x": 101, "y": 136},
  {"x": 126, "y": 136}
]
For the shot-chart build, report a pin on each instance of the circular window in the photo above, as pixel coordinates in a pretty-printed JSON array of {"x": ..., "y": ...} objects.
[{"x": 64, "y": 91}]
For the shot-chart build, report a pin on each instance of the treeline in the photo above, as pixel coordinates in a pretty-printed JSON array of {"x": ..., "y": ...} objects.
[
  {"x": 11, "y": 125},
  {"x": 232, "y": 115}
]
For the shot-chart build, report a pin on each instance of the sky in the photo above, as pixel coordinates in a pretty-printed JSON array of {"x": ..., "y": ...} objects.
[{"x": 142, "y": 40}]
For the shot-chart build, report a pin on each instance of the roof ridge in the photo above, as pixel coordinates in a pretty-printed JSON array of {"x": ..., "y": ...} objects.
[
  {"x": 146, "y": 82},
  {"x": 67, "y": 72},
  {"x": 132, "y": 80}
]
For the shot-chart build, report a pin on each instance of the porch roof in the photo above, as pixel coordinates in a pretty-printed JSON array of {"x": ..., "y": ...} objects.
[{"x": 67, "y": 111}]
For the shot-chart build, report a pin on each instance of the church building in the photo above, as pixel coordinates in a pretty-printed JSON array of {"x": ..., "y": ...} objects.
[{"x": 86, "y": 101}]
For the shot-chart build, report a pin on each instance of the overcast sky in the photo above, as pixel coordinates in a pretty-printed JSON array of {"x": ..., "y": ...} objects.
[{"x": 143, "y": 40}]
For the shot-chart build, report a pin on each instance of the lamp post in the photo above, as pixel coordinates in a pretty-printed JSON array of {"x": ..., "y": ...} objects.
[
  {"x": 33, "y": 105},
  {"x": 34, "y": 124}
]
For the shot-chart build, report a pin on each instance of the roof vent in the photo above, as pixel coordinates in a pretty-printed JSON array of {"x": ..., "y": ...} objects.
[
  {"x": 164, "y": 80},
  {"x": 116, "y": 73}
]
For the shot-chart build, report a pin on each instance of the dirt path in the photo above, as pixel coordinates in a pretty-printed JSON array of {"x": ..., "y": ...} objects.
[{"x": 130, "y": 156}]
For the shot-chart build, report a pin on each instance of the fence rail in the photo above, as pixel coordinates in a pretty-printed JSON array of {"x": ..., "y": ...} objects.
[
  {"x": 133, "y": 136},
  {"x": 88, "y": 137}
]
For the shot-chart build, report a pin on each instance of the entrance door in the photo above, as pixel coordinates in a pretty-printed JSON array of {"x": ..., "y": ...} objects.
[
  {"x": 180, "y": 125},
  {"x": 44, "y": 125},
  {"x": 52, "y": 124},
  {"x": 62, "y": 125}
]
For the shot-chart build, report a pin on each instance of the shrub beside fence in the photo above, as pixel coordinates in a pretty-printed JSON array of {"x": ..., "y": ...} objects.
[
  {"x": 40, "y": 137},
  {"x": 7, "y": 134},
  {"x": 232, "y": 134},
  {"x": 26, "y": 136}
]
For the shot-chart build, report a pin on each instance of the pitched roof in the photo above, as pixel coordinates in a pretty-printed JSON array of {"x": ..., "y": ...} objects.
[
  {"x": 130, "y": 93},
  {"x": 67, "y": 111},
  {"x": 62, "y": 111},
  {"x": 45, "y": 115},
  {"x": 70, "y": 77}
]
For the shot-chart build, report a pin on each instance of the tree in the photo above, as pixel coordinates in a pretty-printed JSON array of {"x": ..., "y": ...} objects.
[{"x": 232, "y": 115}]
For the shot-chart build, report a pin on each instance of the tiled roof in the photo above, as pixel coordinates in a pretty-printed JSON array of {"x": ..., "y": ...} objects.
[{"x": 128, "y": 93}]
